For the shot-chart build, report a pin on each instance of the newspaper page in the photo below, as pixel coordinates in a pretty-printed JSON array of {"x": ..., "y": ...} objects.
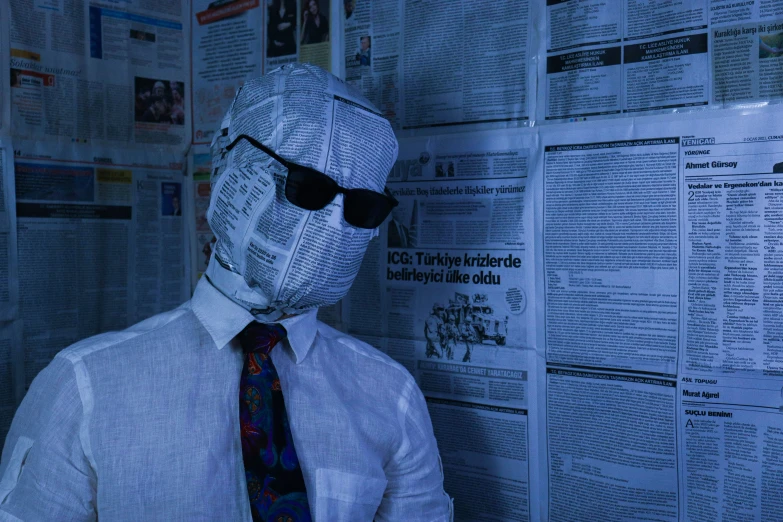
[
  {"x": 608, "y": 308},
  {"x": 235, "y": 40},
  {"x": 658, "y": 276},
  {"x": 636, "y": 57},
  {"x": 101, "y": 242},
  {"x": 202, "y": 240},
  {"x": 11, "y": 374},
  {"x": 225, "y": 51},
  {"x": 428, "y": 65},
  {"x": 445, "y": 292},
  {"x": 731, "y": 410},
  {"x": 9, "y": 274},
  {"x": 105, "y": 72},
  {"x": 5, "y": 102}
]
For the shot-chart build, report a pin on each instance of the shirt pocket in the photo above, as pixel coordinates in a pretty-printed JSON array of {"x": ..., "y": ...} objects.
[
  {"x": 343, "y": 496},
  {"x": 15, "y": 464}
]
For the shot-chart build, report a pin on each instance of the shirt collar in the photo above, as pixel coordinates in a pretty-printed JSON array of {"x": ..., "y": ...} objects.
[{"x": 224, "y": 319}]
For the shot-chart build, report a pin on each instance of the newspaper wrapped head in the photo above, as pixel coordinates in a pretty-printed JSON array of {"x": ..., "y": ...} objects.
[{"x": 271, "y": 256}]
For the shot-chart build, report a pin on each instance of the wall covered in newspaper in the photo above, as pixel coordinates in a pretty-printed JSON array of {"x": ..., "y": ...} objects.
[
  {"x": 591, "y": 309},
  {"x": 95, "y": 120}
]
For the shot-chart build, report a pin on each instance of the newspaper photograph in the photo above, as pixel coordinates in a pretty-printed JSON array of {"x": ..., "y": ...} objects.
[
  {"x": 225, "y": 51},
  {"x": 105, "y": 75},
  {"x": 101, "y": 242},
  {"x": 445, "y": 290},
  {"x": 682, "y": 285},
  {"x": 5, "y": 102},
  {"x": 430, "y": 65},
  {"x": 314, "y": 34},
  {"x": 606, "y": 59},
  {"x": 9, "y": 268}
]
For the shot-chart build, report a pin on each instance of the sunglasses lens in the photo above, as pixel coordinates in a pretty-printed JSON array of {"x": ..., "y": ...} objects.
[
  {"x": 366, "y": 208},
  {"x": 309, "y": 189}
]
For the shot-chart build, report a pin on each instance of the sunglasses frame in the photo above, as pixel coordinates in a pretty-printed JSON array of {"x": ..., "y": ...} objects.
[{"x": 289, "y": 164}]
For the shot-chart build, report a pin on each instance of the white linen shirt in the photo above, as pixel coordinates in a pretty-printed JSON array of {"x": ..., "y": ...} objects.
[{"x": 143, "y": 424}]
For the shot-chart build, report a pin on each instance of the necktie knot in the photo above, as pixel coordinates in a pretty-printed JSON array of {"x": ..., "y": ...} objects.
[{"x": 261, "y": 338}]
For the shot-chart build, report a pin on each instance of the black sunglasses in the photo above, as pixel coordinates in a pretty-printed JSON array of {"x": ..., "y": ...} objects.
[{"x": 312, "y": 190}]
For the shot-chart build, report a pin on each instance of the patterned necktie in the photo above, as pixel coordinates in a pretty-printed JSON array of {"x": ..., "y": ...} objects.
[{"x": 275, "y": 483}]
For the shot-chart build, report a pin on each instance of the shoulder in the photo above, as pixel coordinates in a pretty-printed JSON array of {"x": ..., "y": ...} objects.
[
  {"x": 111, "y": 343},
  {"x": 361, "y": 357}
]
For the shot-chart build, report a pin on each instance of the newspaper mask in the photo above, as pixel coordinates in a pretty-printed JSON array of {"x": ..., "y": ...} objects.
[{"x": 272, "y": 257}]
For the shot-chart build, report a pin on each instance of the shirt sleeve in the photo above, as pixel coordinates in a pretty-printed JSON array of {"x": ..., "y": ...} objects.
[
  {"x": 415, "y": 475},
  {"x": 44, "y": 473}
]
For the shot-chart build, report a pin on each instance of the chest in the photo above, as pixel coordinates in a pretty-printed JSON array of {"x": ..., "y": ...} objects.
[{"x": 176, "y": 453}]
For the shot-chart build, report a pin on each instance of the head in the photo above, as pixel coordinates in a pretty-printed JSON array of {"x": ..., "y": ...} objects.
[
  {"x": 176, "y": 92},
  {"x": 312, "y": 6},
  {"x": 277, "y": 257},
  {"x": 158, "y": 89},
  {"x": 365, "y": 42},
  {"x": 349, "y": 6},
  {"x": 398, "y": 214},
  {"x": 158, "y": 104}
]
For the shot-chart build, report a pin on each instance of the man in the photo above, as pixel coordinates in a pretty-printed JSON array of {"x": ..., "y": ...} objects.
[
  {"x": 363, "y": 54},
  {"x": 432, "y": 328},
  {"x": 239, "y": 405},
  {"x": 467, "y": 334},
  {"x": 450, "y": 335},
  {"x": 398, "y": 234},
  {"x": 158, "y": 89},
  {"x": 175, "y": 208},
  {"x": 157, "y": 112}
]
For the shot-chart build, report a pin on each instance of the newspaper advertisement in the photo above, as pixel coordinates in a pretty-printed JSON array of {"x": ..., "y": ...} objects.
[
  {"x": 635, "y": 57},
  {"x": 659, "y": 313},
  {"x": 225, "y": 51},
  {"x": 445, "y": 292},
  {"x": 101, "y": 242},
  {"x": 428, "y": 65},
  {"x": 9, "y": 275},
  {"x": 202, "y": 240},
  {"x": 100, "y": 73}
]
